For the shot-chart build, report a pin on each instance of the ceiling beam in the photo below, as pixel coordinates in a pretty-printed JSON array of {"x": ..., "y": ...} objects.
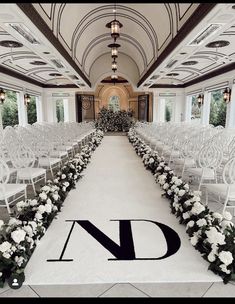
[
  {"x": 188, "y": 26},
  {"x": 38, "y": 21}
]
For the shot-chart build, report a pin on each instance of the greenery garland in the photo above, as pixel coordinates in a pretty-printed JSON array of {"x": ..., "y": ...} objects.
[
  {"x": 211, "y": 233},
  {"x": 20, "y": 236}
]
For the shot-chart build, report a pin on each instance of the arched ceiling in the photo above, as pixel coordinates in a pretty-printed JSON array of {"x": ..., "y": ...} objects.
[{"x": 155, "y": 42}]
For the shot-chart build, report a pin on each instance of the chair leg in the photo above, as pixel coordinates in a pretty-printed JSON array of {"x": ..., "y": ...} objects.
[
  {"x": 8, "y": 207},
  {"x": 206, "y": 197},
  {"x": 33, "y": 186}
]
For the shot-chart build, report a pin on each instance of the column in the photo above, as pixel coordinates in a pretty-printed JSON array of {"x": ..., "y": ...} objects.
[
  {"x": 39, "y": 108},
  {"x": 205, "y": 117},
  {"x": 66, "y": 110},
  {"x": 178, "y": 107},
  {"x": 155, "y": 100},
  {"x": 230, "y": 115},
  {"x": 1, "y": 126},
  {"x": 188, "y": 108},
  {"x": 22, "y": 109},
  {"x": 161, "y": 110}
]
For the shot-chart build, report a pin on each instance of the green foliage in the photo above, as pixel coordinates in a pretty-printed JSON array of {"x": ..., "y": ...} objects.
[
  {"x": 32, "y": 111},
  {"x": 10, "y": 110},
  {"x": 60, "y": 110},
  {"x": 167, "y": 114},
  {"x": 218, "y": 109}
]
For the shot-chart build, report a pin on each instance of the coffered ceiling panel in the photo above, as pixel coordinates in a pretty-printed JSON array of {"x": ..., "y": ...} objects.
[{"x": 159, "y": 39}]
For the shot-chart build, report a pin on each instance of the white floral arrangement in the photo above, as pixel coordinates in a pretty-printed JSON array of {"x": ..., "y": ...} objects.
[
  {"x": 22, "y": 233},
  {"x": 211, "y": 233}
]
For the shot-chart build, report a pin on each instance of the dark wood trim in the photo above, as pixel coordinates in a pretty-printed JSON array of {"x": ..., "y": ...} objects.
[
  {"x": 33, "y": 15},
  {"x": 217, "y": 72},
  {"x": 188, "y": 26},
  {"x": 19, "y": 76},
  {"x": 63, "y": 86},
  {"x": 167, "y": 86}
]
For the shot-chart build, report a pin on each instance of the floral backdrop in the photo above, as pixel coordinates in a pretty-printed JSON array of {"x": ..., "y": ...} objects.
[{"x": 119, "y": 121}]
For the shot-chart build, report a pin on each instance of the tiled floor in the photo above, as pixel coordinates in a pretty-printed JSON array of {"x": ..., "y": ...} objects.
[{"x": 125, "y": 290}]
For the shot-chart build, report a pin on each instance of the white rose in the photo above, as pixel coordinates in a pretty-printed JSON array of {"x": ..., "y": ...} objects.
[
  {"x": 28, "y": 230},
  {"x": 178, "y": 182},
  {"x": 6, "y": 255},
  {"x": 226, "y": 257},
  {"x": 176, "y": 190},
  {"x": 63, "y": 176},
  {"x": 56, "y": 181},
  {"x": 215, "y": 237},
  {"x": 185, "y": 215},
  {"x": 75, "y": 176},
  {"x": 1, "y": 224},
  {"x": 166, "y": 168},
  {"x": 151, "y": 160},
  {"x": 33, "y": 225},
  {"x": 169, "y": 192},
  {"x": 174, "y": 178},
  {"x": 48, "y": 201},
  {"x": 227, "y": 216},
  {"x": 66, "y": 184},
  {"x": 211, "y": 257},
  {"x": 55, "y": 208},
  {"x": 186, "y": 187},
  {"x": 173, "y": 187},
  {"x": 43, "y": 196},
  {"x": 201, "y": 222},
  {"x": 190, "y": 224},
  {"x": 41, "y": 209},
  {"x": 224, "y": 269},
  {"x": 48, "y": 208},
  {"x": 18, "y": 235},
  {"x": 38, "y": 216},
  {"x": 64, "y": 189},
  {"x": 226, "y": 224},
  {"x": 19, "y": 260},
  {"x": 5, "y": 246},
  {"x": 33, "y": 202},
  {"x": 45, "y": 188},
  {"x": 55, "y": 197},
  {"x": 165, "y": 186},
  {"x": 181, "y": 192},
  {"x": 197, "y": 208},
  {"x": 218, "y": 216},
  {"x": 194, "y": 240}
]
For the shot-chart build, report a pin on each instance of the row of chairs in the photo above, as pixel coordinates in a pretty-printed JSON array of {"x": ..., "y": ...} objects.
[
  {"x": 203, "y": 153},
  {"x": 27, "y": 153}
]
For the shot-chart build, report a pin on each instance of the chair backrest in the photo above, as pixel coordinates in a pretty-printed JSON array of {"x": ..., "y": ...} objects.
[
  {"x": 210, "y": 155},
  {"x": 4, "y": 172},
  {"x": 229, "y": 171}
]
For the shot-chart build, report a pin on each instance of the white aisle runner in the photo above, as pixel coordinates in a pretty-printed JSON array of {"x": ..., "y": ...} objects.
[{"x": 116, "y": 187}]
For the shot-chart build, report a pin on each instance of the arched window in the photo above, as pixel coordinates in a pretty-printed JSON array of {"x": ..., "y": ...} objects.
[
  {"x": 114, "y": 103},
  {"x": 196, "y": 110}
]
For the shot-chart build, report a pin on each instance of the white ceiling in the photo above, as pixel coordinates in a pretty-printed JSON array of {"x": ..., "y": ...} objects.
[{"x": 148, "y": 29}]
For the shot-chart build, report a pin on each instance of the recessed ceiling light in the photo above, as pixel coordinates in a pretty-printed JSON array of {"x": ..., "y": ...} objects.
[
  {"x": 218, "y": 44},
  {"x": 233, "y": 7},
  {"x": 183, "y": 53},
  {"x": 10, "y": 44},
  {"x": 191, "y": 62},
  {"x": 55, "y": 74},
  {"x": 172, "y": 74},
  {"x": 46, "y": 53},
  {"x": 37, "y": 62}
]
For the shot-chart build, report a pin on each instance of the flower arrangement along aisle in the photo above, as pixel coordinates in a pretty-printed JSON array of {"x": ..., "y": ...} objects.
[
  {"x": 20, "y": 236},
  {"x": 120, "y": 121},
  {"x": 211, "y": 233}
]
